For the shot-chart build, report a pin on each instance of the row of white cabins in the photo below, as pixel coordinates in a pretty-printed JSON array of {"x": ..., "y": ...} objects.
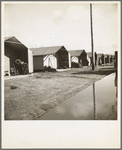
[{"x": 57, "y": 56}]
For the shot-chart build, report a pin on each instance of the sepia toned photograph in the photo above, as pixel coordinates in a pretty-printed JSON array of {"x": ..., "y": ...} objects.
[
  {"x": 61, "y": 69},
  {"x": 60, "y": 61}
]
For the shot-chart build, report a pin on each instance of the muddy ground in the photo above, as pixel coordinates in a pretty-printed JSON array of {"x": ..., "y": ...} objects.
[{"x": 30, "y": 97}]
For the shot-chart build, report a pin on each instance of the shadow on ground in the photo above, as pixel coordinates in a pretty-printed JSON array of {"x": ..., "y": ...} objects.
[{"x": 101, "y": 71}]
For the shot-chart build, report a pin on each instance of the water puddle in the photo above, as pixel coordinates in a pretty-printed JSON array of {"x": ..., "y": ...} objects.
[{"x": 93, "y": 103}]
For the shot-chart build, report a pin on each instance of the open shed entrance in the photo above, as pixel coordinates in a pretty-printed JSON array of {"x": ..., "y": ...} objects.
[{"x": 14, "y": 50}]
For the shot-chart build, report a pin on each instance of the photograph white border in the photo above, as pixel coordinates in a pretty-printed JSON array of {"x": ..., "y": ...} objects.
[{"x": 61, "y": 134}]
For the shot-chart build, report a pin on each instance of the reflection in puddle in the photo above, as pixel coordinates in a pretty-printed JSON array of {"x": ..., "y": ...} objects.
[
  {"x": 97, "y": 102},
  {"x": 104, "y": 96},
  {"x": 115, "y": 82},
  {"x": 94, "y": 102}
]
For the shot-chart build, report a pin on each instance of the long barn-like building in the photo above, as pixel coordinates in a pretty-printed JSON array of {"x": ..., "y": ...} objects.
[
  {"x": 55, "y": 56},
  {"x": 13, "y": 50}
]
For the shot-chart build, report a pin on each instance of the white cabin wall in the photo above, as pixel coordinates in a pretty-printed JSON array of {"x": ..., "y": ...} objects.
[
  {"x": 89, "y": 60},
  {"x": 51, "y": 61},
  {"x": 30, "y": 61},
  {"x": 6, "y": 64},
  {"x": 69, "y": 56},
  {"x": 74, "y": 59}
]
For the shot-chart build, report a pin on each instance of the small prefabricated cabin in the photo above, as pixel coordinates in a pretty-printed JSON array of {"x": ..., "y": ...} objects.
[
  {"x": 89, "y": 58},
  {"x": 79, "y": 56},
  {"x": 100, "y": 58},
  {"x": 111, "y": 58},
  {"x": 56, "y": 57},
  {"x": 14, "y": 49},
  {"x": 106, "y": 58}
]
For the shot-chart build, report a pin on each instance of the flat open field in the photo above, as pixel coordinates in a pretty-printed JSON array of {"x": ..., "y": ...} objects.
[{"x": 33, "y": 96}]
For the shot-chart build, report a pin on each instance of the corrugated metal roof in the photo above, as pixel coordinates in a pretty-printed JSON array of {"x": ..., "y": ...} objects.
[
  {"x": 46, "y": 50},
  {"x": 76, "y": 52},
  {"x": 14, "y": 43}
]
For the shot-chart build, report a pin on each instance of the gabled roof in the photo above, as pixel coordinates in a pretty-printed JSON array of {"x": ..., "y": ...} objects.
[
  {"x": 99, "y": 54},
  {"x": 106, "y": 55},
  {"x": 14, "y": 43},
  {"x": 46, "y": 50},
  {"x": 89, "y": 54},
  {"x": 12, "y": 39},
  {"x": 9, "y": 37},
  {"x": 76, "y": 52},
  {"x": 111, "y": 55}
]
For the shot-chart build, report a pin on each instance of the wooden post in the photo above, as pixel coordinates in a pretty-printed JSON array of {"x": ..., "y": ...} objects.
[{"x": 92, "y": 38}]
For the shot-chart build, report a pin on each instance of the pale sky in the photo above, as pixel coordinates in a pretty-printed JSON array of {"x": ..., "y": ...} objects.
[{"x": 63, "y": 23}]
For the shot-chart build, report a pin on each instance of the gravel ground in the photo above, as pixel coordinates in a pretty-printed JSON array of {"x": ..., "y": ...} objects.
[{"x": 30, "y": 97}]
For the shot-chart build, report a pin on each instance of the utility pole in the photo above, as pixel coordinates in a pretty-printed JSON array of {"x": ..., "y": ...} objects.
[{"x": 92, "y": 47}]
